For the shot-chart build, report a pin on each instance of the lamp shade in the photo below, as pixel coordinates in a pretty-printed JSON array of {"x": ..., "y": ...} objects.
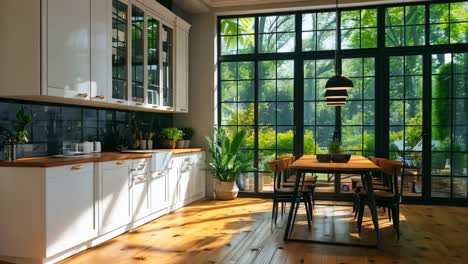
[
  {"x": 335, "y": 101},
  {"x": 336, "y": 94},
  {"x": 336, "y": 104},
  {"x": 339, "y": 82}
]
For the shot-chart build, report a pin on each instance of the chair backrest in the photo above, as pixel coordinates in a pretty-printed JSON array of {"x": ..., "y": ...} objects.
[
  {"x": 393, "y": 169},
  {"x": 279, "y": 167}
]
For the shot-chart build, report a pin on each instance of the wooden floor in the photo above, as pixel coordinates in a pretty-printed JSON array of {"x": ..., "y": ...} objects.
[{"x": 239, "y": 231}]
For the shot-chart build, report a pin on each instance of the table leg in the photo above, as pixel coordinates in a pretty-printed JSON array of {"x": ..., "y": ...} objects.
[
  {"x": 367, "y": 178},
  {"x": 292, "y": 209}
]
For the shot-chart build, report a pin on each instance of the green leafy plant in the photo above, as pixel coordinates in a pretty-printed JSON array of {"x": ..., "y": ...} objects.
[
  {"x": 335, "y": 147},
  {"x": 19, "y": 134},
  {"x": 171, "y": 133},
  {"x": 187, "y": 133},
  {"x": 226, "y": 163}
]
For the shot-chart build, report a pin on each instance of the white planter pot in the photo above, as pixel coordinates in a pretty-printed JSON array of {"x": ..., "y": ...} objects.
[{"x": 226, "y": 190}]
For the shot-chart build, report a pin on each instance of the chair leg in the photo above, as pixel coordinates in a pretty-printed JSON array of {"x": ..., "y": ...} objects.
[
  {"x": 354, "y": 204},
  {"x": 311, "y": 207},
  {"x": 396, "y": 220},
  {"x": 294, "y": 215},
  {"x": 307, "y": 208},
  {"x": 390, "y": 212},
  {"x": 361, "y": 207},
  {"x": 358, "y": 202},
  {"x": 273, "y": 211}
]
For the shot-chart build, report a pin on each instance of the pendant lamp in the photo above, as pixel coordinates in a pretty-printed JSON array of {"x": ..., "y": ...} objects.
[{"x": 337, "y": 85}]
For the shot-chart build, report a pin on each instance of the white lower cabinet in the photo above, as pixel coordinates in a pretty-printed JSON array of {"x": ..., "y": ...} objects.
[
  {"x": 198, "y": 177},
  {"x": 158, "y": 191},
  {"x": 185, "y": 178},
  {"x": 189, "y": 177},
  {"x": 56, "y": 212},
  {"x": 173, "y": 182},
  {"x": 114, "y": 195},
  {"x": 140, "y": 197},
  {"x": 70, "y": 207}
]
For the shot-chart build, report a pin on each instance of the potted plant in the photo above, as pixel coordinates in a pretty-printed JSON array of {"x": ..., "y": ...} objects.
[
  {"x": 337, "y": 152},
  {"x": 169, "y": 137},
  {"x": 226, "y": 163},
  {"x": 19, "y": 134},
  {"x": 187, "y": 136}
]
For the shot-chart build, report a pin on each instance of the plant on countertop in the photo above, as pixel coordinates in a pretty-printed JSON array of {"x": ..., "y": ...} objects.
[
  {"x": 19, "y": 134},
  {"x": 171, "y": 133},
  {"x": 169, "y": 137},
  {"x": 187, "y": 132}
]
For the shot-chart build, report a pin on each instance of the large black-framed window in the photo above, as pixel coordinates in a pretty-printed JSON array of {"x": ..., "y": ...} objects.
[{"x": 371, "y": 40}]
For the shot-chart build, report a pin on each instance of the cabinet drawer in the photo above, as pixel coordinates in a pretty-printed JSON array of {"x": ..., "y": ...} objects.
[
  {"x": 109, "y": 165},
  {"x": 70, "y": 170},
  {"x": 140, "y": 166}
]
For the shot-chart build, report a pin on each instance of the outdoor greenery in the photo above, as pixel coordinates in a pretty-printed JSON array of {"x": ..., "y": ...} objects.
[{"x": 273, "y": 112}]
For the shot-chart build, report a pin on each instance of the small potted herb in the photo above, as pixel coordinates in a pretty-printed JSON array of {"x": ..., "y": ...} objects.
[
  {"x": 337, "y": 152},
  {"x": 19, "y": 134},
  {"x": 187, "y": 136},
  {"x": 169, "y": 137}
]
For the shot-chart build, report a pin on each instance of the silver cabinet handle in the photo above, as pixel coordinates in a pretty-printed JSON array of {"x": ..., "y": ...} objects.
[
  {"x": 77, "y": 167},
  {"x": 84, "y": 95},
  {"x": 102, "y": 97},
  {"x": 139, "y": 104},
  {"x": 155, "y": 106},
  {"x": 120, "y": 102},
  {"x": 120, "y": 162}
]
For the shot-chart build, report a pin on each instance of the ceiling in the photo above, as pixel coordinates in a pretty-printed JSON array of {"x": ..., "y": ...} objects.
[{"x": 202, "y": 6}]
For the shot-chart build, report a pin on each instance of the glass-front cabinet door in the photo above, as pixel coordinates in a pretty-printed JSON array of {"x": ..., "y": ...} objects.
[
  {"x": 152, "y": 61},
  {"x": 142, "y": 57},
  {"x": 167, "y": 64},
  {"x": 138, "y": 54},
  {"x": 119, "y": 52}
]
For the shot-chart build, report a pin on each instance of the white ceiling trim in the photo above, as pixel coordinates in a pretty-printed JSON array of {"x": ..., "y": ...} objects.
[{"x": 301, "y": 5}]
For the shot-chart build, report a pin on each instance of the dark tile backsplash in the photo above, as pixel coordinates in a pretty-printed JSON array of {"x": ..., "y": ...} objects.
[{"x": 54, "y": 125}]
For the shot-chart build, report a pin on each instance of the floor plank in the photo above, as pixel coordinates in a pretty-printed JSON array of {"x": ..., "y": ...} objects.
[{"x": 240, "y": 231}]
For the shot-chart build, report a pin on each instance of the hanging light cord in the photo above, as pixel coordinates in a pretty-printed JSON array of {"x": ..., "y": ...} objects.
[{"x": 336, "y": 40}]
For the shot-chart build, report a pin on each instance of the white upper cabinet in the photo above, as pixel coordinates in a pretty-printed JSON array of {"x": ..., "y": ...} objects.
[
  {"x": 68, "y": 48},
  {"x": 138, "y": 41},
  {"x": 101, "y": 53},
  {"x": 120, "y": 52},
  {"x": 125, "y": 54},
  {"x": 182, "y": 65}
]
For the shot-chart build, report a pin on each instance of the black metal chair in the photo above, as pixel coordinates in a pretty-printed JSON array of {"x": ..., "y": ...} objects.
[
  {"x": 390, "y": 198},
  {"x": 283, "y": 194}
]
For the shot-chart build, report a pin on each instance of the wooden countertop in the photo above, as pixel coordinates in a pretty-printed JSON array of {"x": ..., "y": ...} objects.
[
  {"x": 44, "y": 162},
  {"x": 181, "y": 151}
]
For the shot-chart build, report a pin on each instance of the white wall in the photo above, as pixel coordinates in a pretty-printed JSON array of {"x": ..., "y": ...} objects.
[
  {"x": 202, "y": 71},
  {"x": 202, "y": 89}
]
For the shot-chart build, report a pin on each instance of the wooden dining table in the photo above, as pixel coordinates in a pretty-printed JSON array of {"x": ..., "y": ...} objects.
[{"x": 356, "y": 165}]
